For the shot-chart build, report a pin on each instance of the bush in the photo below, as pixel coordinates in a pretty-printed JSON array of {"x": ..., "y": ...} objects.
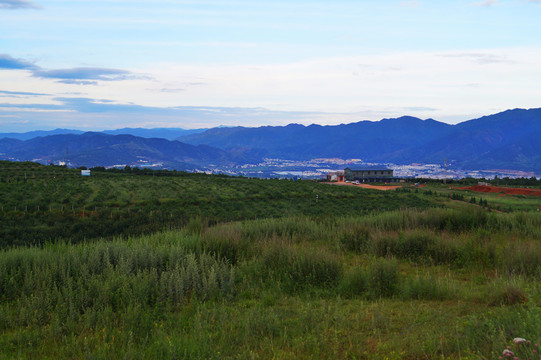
[
  {"x": 383, "y": 278},
  {"x": 414, "y": 245},
  {"x": 68, "y": 282},
  {"x": 355, "y": 238},
  {"x": 226, "y": 241},
  {"x": 424, "y": 288},
  {"x": 300, "y": 268},
  {"x": 355, "y": 283},
  {"x": 492, "y": 333},
  {"x": 509, "y": 295},
  {"x": 522, "y": 259}
]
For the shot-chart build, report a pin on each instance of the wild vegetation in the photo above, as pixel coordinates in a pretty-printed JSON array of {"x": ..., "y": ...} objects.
[
  {"x": 403, "y": 275},
  {"x": 45, "y": 203}
]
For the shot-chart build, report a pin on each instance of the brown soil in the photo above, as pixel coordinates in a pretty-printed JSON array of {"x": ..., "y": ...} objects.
[
  {"x": 366, "y": 186},
  {"x": 503, "y": 190}
]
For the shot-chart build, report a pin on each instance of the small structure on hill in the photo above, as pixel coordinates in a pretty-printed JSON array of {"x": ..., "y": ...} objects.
[
  {"x": 338, "y": 176},
  {"x": 370, "y": 174}
]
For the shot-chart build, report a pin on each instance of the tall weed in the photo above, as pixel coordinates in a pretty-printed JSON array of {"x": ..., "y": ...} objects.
[
  {"x": 299, "y": 268},
  {"x": 383, "y": 279}
]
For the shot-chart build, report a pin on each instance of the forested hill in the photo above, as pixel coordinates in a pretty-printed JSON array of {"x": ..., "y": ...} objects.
[
  {"x": 362, "y": 139},
  {"x": 162, "y": 133},
  {"x": 97, "y": 149},
  {"x": 507, "y": 140},
  {"x": 510, "y": 140}
]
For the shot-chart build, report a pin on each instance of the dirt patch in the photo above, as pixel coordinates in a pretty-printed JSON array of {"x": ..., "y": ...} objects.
[
  {"x": 503, "y": 190},
  {"x": 366, "y": 186}
]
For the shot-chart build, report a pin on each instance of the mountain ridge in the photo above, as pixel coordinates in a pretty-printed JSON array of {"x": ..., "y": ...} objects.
[
  {"x": 98, "y": 149},
  {"x": 510, "y": 139},
  {"x": 471, "y": 144},
  {"x": 162, "y": 133}
]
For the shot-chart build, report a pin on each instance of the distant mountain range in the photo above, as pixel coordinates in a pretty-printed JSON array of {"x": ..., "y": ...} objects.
[
  {"x": 507, "y": 140},
  {"x": 162, "y": 133},
  {"x": 97, "y": 149}
]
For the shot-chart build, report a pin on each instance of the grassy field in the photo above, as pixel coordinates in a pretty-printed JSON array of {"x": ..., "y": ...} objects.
[
  {"x": 43, "y": 203},
  {"x": 264, "y": 270}
]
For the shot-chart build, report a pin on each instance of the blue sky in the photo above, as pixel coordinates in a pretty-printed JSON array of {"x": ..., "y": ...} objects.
[{"x": 93, "y": 64}]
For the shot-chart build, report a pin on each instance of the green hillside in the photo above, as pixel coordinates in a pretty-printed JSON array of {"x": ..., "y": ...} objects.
[
  {"x": 170, "y": 265},
  {"x": 45, "y": 203}
]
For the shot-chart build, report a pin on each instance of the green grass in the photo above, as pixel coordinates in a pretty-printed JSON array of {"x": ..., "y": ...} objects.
[
  {"x": 356, "y": 275},
  {"x": 285, "y": 288},
  {"x": 47, "y": 206}
]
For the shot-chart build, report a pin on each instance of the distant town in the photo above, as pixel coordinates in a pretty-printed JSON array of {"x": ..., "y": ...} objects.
[{"x": 319, "y": 168}]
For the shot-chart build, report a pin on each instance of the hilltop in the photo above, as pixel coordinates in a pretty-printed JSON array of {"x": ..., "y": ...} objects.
[{"x": 507, "y": 140}]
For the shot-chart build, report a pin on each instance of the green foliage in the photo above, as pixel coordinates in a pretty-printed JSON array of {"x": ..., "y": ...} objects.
[
  {"x": 354, "y": 283},
  {"x": 425, "y": 288},
  {"x": 379, "y": 280},
  {"x": 257, "y": 269},
  {"x": 226, "y": 242},
  {"x": 300, "y": 268},
  {"x": 383, "y": 280},
  {"x": 508, "y": 295},
  {"x": 355, "y": 238},
  {"x": 522, "y": 258},
  {"x": 61, "y": 204},
  {"x": 64, "y": 284},
  {"x": 493, "y": 331}
]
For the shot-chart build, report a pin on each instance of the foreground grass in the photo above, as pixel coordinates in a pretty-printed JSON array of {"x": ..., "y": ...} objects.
[{"x": 409, "y": 284}]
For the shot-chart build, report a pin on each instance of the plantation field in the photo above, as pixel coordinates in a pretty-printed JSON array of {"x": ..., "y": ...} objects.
[
  {"x": 44, "y": 203},
  {"x": 498, "y": 201},
  {"x": 189, "y": 266}
]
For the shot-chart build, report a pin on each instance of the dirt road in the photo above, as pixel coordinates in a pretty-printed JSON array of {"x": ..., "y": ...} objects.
[{"x": 366, "y": 186}]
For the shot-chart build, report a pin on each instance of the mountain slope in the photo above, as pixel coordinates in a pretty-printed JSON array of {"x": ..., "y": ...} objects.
[
  {"x": 163, "y": 133},
  {"x": 509, "y": 139},
  {"x": 34, "y": 134},
  {"x": 97, "y": 149},
  {"x": 361, "y": 140}
]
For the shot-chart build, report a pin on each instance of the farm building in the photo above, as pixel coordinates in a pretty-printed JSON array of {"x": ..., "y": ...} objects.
[
  {"x": 338, "y": 176},
  {"x": 370, "y": 174}
]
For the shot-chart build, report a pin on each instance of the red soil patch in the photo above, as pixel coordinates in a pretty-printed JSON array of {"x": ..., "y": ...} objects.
[
  {"x": 366, "y": 186},
  {"x": 504, "y": 190}
]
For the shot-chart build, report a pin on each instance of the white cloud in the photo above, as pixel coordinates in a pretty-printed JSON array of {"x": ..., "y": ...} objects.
[
  {"x": 486, "y": 3},
  {"x": 17, "y": 4},
  {"x": 410, "y": 3},
  {"x": 442, "y": 85}
]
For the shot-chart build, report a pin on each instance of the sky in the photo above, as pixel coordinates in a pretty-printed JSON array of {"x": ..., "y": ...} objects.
[{"x": 108, "y": 64}]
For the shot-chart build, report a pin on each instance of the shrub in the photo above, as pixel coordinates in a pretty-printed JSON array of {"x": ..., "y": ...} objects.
[
  {"x": 355, "y": 238},
  {"x": 355, "y": 283},
  {"x": 522, "y": 259},
  {"x": 383, "y": 278},
  {"x": 226, "y": 241},
  {"x": 414, "y": 245},
  {"x": 509, "y": 295},
  {"x": 299, "y": 268},
  {"x": 65, "y": 282},
  {"x": 384, "y": 245},
  {"x": 488, "y": 335},
  {"x": 424, "y": 288}
]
